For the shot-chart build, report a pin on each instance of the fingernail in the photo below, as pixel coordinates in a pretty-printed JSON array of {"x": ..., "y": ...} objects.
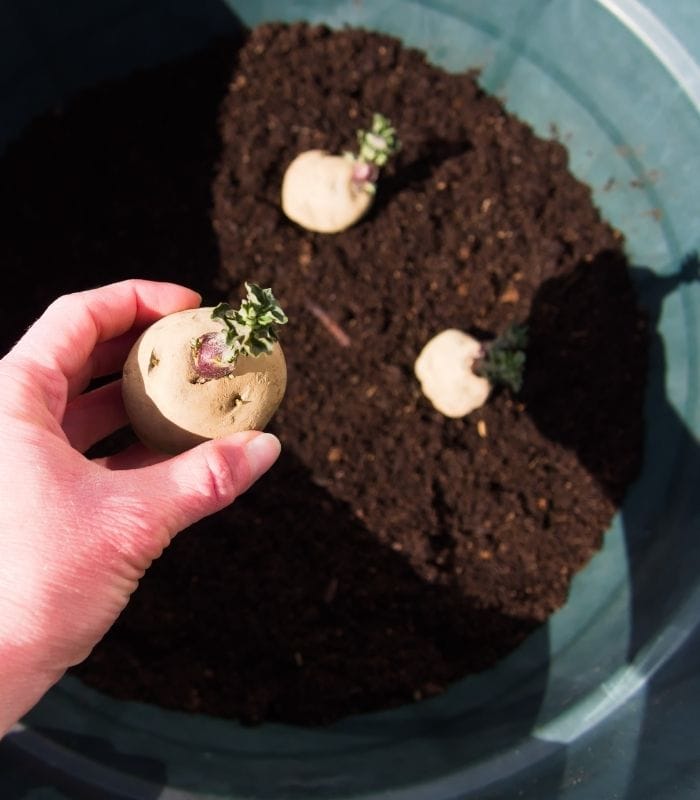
[{"x": 262, "y": 452}]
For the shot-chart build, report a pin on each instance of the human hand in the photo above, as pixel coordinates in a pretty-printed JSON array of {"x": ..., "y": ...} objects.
[{"x": 77, "y": 535}]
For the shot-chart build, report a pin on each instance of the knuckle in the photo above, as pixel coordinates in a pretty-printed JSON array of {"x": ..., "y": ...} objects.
[
  {"x": 223, "y": 477},
  {"x": 63, "y": 303}
]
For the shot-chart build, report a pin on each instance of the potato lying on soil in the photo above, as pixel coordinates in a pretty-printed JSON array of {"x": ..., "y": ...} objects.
[
  {"x": 328, "y": 193},
  {"x": 457, "y": 372}
]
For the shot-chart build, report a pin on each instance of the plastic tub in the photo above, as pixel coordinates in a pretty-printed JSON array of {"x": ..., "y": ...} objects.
[{"x": 602, "y": 701}]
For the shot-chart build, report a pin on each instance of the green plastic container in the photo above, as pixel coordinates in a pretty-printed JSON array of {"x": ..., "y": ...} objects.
[{"x": 603, "y": 701}]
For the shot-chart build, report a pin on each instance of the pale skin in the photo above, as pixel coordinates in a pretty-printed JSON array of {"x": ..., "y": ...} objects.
[
  {"x": 445, "y": 370},
  {"x": 328, "y": 193},
  {"x": 319, "y": 193},
  {"x": 77, "y": 535}
]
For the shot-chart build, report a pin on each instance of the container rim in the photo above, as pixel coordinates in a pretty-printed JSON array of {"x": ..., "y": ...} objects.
[{"x": 658, "y": 39}]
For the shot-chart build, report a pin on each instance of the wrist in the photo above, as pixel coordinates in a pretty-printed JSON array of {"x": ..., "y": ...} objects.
[{"x": 23, "y": 683}]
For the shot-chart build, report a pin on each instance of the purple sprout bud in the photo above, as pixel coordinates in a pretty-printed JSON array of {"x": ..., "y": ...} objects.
[
  {"x": 363, "y": 172},
  {"x": 211, "y": 357}
]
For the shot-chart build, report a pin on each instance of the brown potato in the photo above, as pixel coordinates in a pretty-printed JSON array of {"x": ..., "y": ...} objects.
[{"x": 171, "y": 411}]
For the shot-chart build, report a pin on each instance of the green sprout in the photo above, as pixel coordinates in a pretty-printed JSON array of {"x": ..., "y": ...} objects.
[
  {"x": 503, "y": 359},
  {"x": 250, "y": 329},
  {"x": 377, "y": 146}
]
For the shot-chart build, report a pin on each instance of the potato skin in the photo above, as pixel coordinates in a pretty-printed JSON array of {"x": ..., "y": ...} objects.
[
  {"x": 170, "y": 411},
  {"x": 318, "y": 193},
  {"x": 444, "y": 368}
]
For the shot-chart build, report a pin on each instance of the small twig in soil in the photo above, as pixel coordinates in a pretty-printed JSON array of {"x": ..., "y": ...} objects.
[
  {"x": 331, "y": 591},
  {"x": 330, "y": 325}
]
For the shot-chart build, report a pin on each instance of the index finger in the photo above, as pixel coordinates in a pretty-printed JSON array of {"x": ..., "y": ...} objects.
[{"x": 65, "y": 336}]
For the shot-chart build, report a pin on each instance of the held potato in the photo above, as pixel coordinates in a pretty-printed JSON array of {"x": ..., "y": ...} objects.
[{"x": 187, "y": 380}]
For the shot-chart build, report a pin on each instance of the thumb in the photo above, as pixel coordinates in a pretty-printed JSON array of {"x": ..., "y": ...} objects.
[{"x": 166, "y": 497}]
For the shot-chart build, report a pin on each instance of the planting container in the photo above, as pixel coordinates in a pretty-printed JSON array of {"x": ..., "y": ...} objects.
[{"x": 601, "y": 702}]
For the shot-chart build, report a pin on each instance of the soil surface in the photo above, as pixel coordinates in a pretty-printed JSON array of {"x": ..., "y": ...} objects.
[{"x": 391, "y": 550}]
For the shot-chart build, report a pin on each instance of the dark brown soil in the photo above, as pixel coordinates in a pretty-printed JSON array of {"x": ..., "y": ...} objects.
[{"x": 391, "y": 550}]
